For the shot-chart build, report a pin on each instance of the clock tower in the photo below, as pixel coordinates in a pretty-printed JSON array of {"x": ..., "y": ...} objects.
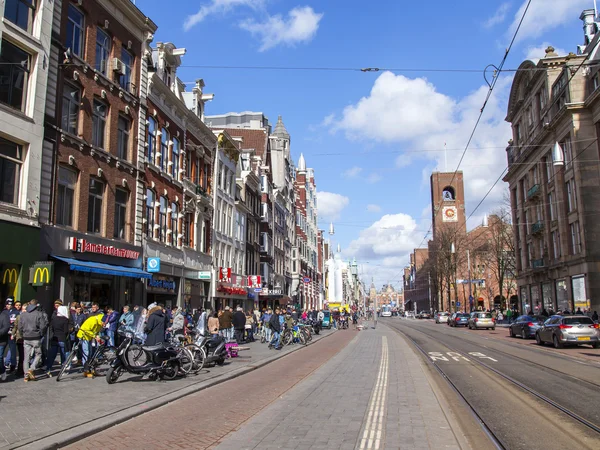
[{"x": 448, "y": 202}]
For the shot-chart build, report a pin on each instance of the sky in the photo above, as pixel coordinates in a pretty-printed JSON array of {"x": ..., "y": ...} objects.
[{"x": 374, "y": 137}]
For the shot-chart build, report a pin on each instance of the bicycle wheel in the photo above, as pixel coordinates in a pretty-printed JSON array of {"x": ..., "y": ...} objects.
[
  {"x": 287, "y": 338},
  {"x": 65, "y": 370},
  {"x": 199, "y": 357},
  {"x": 263, "y": 337},
  {"x": 302, "y": 338},
  {"x": 186, "y": 360},
  {"x": 136, "y": 356}
]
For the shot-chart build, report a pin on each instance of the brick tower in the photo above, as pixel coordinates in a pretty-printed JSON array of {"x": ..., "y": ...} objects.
[{"x": 448, "y": 202}]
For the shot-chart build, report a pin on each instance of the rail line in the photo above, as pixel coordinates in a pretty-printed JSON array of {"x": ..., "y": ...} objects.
[{"x": 495, "y": 439}]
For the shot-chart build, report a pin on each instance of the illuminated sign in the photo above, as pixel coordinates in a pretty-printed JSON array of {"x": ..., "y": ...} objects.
[
  {"x": 41, "y": 273},
  {"x": 11, "y": 276},
  {"x": 83, "y": 246}
]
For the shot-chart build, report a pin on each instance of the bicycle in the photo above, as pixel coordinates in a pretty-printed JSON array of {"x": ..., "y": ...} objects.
[{"x": 102, "y": 354}]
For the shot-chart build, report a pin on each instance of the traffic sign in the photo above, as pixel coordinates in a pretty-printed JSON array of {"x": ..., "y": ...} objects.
[
  {"x": 306, "y": 279},
  {"x": 457, "y": 303}
]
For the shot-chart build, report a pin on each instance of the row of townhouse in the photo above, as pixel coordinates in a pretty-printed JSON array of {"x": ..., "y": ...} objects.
[{"x": 116, "y": 188}]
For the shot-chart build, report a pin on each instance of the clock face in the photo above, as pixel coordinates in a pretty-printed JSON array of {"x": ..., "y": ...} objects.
[{"x": 449, "y": 214}]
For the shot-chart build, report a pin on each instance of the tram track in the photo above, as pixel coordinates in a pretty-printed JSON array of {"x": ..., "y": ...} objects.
[{"x": 492, "y": 431}]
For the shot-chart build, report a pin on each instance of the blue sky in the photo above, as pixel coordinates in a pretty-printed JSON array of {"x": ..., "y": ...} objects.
[{"x": 372, "y": 138}]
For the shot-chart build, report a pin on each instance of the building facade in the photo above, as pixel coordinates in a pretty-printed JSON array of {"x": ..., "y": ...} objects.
[{"x": 553, "y": 173}]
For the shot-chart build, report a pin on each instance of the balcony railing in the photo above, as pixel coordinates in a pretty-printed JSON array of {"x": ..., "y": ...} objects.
[
  {"x": 537, "y": 227},
  {"x": 533, "y": 192},
  {"x": 537, "y": 263}
]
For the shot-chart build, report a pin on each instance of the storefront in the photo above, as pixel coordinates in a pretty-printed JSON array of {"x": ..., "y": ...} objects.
[
  {"x": 162, "y": 289},
  {"x": 92, "y": 269},
  {"x": 20, "y": 250},
  {"x": 229, "y": 289}
]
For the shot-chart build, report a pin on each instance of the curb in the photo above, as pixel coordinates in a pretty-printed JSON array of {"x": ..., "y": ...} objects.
[{"x": 81, "y": 431}]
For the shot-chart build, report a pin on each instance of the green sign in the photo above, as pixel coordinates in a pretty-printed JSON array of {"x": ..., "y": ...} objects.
[{"x": 41, "y": 273}]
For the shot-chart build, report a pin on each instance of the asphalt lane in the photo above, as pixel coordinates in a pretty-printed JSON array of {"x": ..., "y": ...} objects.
[{"x": 517, "y": 418}]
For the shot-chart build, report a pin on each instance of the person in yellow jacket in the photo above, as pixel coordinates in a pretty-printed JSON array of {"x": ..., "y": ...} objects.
[{"x": 88, "y": 332}]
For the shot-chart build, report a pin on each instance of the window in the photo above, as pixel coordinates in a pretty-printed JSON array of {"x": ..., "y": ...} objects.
[
  {"x": 543, "y": 98},
  {"x": 75, "y": 31},
  {"x": 571, "y": 196},
  {"x": 96, "y": 192},
  {"x": 575, "y": 238},
  {"x": 162, "y": 219},
  {"x": 518, "y": 133},
  {"x": 70, "y": 108},
  {"x": 20, "y": 12},
  {"x": 174, "y": 223},
  {"x": 549, "y": 168},
  {"x": 11, "y": 159},
  {"x": 175, "y": 159},
  {"x": 123, "y": 137},
  {"x": 530, "y": 117},
  {"x": 556, "y": 244},
  {"x": 164, "y": 149},
  {"x": 14, "y": 75},
  {"x": 568, "y": 151},
  {"x": 103, "y": 45},
  {"x": 150, "y": 199},
  {"x": 67, "y": 181},
  {"x": 98, "y": 123},
  {"x": 151, "y": 139},
  {"x": 187, "y": 230},
  {"x": 121, "y": 197},
  {"x": 128, "y": 60},
  {"x": 551, "y": 206}
]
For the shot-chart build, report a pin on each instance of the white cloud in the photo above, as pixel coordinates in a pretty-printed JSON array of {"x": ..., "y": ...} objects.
[
  {"x": 545, "y": 15},
  {"x": 301, "y": 25},
  {"x": 411, "y": 112},
  {"x": 498, "y": 16},
  {"x": 353, "y": 172},
  {"x": 218, "y": 7},
  {"x": 374, "y": 178},
  {"x": 373, "y": 208},
  {"x": 535, "y": 53},
  {"x": 331, "y": 205}
]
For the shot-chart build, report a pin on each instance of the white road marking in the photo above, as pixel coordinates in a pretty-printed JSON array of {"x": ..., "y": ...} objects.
[
  {"x": 482, "y": 356},
  {"x": 435, "y": 356},
  {"x": 373, "y": 431}
]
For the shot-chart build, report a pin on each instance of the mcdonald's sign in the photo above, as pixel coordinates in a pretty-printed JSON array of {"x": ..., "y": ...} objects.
[
  {"x": 41, "y": 273},
  {"x": 10, "y": 276}
]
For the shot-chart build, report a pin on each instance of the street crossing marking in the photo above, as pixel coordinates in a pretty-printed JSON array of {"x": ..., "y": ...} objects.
[
  {"x": 372, "y": 434},
  {"x": 455, "y": 356}
]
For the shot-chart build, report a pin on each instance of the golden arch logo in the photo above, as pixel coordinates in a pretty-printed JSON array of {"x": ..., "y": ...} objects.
[
  {"x": 11, "y": 276},
  {"x": 39, "y": 274}
]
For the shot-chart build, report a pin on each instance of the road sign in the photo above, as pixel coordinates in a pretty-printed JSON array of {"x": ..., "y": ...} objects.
[
  {"x": 258, "y": 290},
  {"x": 457, "y": 303},
  {"x": 153, "y": 265},
  {"x": 306, "y": 279}
]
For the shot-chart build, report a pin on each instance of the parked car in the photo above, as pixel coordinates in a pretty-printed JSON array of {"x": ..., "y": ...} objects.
[
  {"x": 409, "y": 315},
  {"x": 423, "y": 315},
  {"x": 526, "y": 326},
  {"x": 481, "y": 319},
  {"x": 569, "y": 330},
  {"x": 442, "y": 317},
  {"x": 459, "y": 320}
]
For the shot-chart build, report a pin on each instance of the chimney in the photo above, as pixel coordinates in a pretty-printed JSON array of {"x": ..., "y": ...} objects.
[{"x": 588, "y": 16}]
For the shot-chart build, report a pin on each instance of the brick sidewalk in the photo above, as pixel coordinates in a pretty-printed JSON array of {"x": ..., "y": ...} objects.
[{"x": 34, "y": 410}]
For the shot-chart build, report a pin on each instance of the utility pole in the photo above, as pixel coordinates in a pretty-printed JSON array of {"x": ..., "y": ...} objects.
[
  {"x": 429, "y": 293},
  {"x": 469, "y": 265}
]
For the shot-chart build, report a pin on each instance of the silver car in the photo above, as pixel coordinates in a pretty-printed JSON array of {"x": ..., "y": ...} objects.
[
  {"x": 569, "y": 330},
  {"x": 441, "y": 317},
  {"x": 480, "y": 319}
]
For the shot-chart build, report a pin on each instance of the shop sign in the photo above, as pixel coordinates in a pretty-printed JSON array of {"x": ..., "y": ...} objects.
[
  {"x": 41, "y": 273},
  {"x": 225, "y": 274},
  {"x": 153, "y": 265},
  {"x": 306, "y": 280},
  {"x": 204, "y": 275},
  {"x": 254, "y": 281},
  {"x": 168, "y": 284},
  {"x": 10, "y": 276},
  {"x": 84, "y": 246}
]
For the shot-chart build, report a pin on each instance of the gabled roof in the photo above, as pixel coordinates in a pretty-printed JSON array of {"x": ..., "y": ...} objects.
[
  {"x": 252, "y": 139},
  {"x": 280, "y": 130}
]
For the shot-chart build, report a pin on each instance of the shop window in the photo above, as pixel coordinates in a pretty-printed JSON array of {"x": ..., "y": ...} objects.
[
  {"x": 11, "y": 161},
  {"x": 121, "y": 197},
  {"x": 124, "y": 127},
  {"x": 21, "y": 13},
  {"x": 151, "y": 139},
  {"x": 14, "y": 73},
  {"x": 164, "y": 149},
  {"x": 70, "y": 108},
  {"x": 150, "y": 199},
  {"x": 162, "y": 219},
  {"x": 125, "y": 80},
  {"x": 175, "y": 159},
  {"x": 103, "y": 46},
  {"x": 75, "y": 31},
  {"x": 99, "y": 123},
  {"x": 174, "y": 223},
  {"x": 95, "y": 196},
  {"x": 67, "y": 183}
]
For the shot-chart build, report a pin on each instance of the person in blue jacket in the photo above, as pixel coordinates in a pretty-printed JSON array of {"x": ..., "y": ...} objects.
[{"x": 110, "y": 325}]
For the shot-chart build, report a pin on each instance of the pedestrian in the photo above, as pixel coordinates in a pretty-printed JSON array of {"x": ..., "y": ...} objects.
[
  {"x": 579, "y": 312},
  {"x": 18, "y": 337},
  {"x": 595, "y": 316},
  {"x": 126, "y": 319},
  {"x": 155, "y": 326},
  {"x": 88, "y": 332},
  {"x": 265, "y": 318},
  {"x": 213, "y": 325},
  {"x": 249, "y": 327},
  {"x": 201, "y": 321},
  {"x": 509, "y": 315},
  {"x": 111, "y": 321},
  {"x": 14, "y": 309},
  {"x": 239, "y": 324},
  {"x": 544, "y": 312},
  {"x": 226, "y": 324},
  {"x": 178, "y": 321},
  {"x": 60, "y": 327},
  {"x": 4, "y": 336},
  {"x": 275, "y": 326},
  {"x": 32, "y": 325},
  {"x": 355, "y": 319}
]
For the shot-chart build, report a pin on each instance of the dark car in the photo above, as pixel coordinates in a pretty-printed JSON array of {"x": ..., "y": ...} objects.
[
  {"x": 569, "y": 330},
  {"x": 459, "y": 320},
  {"x": 526, "y": 326}
]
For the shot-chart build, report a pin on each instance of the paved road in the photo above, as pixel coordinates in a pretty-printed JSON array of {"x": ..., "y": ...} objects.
[
  {"x": 517, "y": 418},
  {"x": 363, "y": 390}
]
